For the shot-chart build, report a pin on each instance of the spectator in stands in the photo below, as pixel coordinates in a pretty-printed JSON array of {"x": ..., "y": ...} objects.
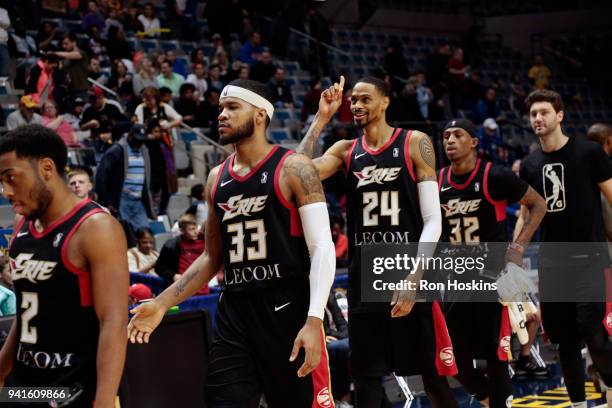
[
  {"x": 602, "y": 134},
  {"x": 336, "y": 338},
  {"x": 310, "y": 106},
  {"x": 244, "y": 72},
  {"x": 139, "y": 292},
  {"x": 210, "y": 112},
  {"x": 150, "y": 22},
  {"x": 80, "y": 181},
  {"x": 424, "y": 94},
  {"x": 95, "y": 44},
  {"x": 169, "y": 78},
  {"x": 214, "y": 79},
  {"x": 5, "y": 24},
  {"x": 199, "y": 79},
  {"x": 395, "y": 65},
  {"x": 217, "y": 43},
  {"x": 197, "y": 56},
  {"x": 143, "y": 256},
  {"x": 491, "y": 143},
  {"x": 437, "y": 65},
  {"x": 199, "y": 206},
  {"x": 120, "y": 79},
  {"x": 251, "y": 50},
  {"x": 73, "y": 118},
  {"x": 56, "y": 122},
  {"x": 178, "y": 65},
  {"x": 8, "y": 301},
  {"x": 24, "y": 115},
  {"x": 517, "y": 94},
  {"x": 155, "y": 114},
  {"x": 406, "y": 106},
  {"x": 93, "y": 17},
  {"x": 280, "y": 89},
  {"x": 539, "y": 73},
  {"x": 22, "y": 49},
  {"x": 457, "y": 71},
  {"x": 188, "y": 105},
  {"x": 49, "y": 37},
  {"x": 222, "y": 61},
  {"x": 100, "y": 117},
  {"x": 117, "y": 46},
  {"x": 129, "y": 18},
  {"x": 178, "y": 253},
  {"x": 94, "y": 71},
  {"x": 123, "y": 179},
  {"x": 145, "y": 77},
  {"x": 263, "y": 69},
  {"x": 165, "y": 95},
  {"x": 40, "y": 82},
  {"x": 473, "y": 91},
  {"x": 340, "y": 240},
  {"x": 488, "y": 107},
  {"x": 75, "y": 66}
]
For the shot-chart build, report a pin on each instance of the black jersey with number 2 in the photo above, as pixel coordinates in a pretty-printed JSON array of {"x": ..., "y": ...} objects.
[{"x": 57, "y": 327}]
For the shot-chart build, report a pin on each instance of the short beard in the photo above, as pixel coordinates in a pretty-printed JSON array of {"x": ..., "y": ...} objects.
[
  {"x": 42, "y": 196},
  {"x": 242, "y": 132}
]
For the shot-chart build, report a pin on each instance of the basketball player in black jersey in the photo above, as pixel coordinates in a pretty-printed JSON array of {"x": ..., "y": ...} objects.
[
  {"x": 70, "y": 273},
  {"x": 473, "y": 196},
  {"x": 392, "y": 198},
  {"x": 267, "y": 211},
  {"x": 571, "y": 174}
]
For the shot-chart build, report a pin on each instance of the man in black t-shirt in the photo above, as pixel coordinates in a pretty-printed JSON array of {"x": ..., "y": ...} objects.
[
  {"x": 570, "y": 173},
  {"x": 101, "y": 117},
  {"x": 473, "y": 197}
]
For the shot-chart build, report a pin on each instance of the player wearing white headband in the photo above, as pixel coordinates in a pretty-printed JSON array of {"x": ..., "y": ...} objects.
[{"x": 268, "y": 227}]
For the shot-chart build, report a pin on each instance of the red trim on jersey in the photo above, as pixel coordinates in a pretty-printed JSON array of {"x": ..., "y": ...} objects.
[
  {"x": 321, "y": 380},
  {"x": 59, "y": 221},
  {"x": 296, "y": 221},
  {"x": 407, "y": 155},
  {"x": 349, "y": 154},
  {"x": 384, "y": 147},
  {"x": 505, "y": 334},
  {"x": 500, "y": 206},
  {"x": 469, "y": 180},
  {"x": 254, "y": 170},
  {"x": 216, "y": 183},
  {"x": 84, "y": 275},
  {"x": 441, "y": 177}
]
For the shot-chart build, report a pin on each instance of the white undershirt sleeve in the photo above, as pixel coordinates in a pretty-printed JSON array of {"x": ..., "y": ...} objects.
[{"x": 429, "y": 203}]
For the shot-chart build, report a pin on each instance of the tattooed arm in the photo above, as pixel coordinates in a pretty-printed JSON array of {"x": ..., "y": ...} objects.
[
  {"x": 423, "y": 156},
  {"x": 332, "y": 160},
  {"x": 149, "y": 315}
]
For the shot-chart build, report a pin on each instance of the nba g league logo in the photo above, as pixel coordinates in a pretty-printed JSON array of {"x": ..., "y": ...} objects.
[{"x": 553, "y": 181}]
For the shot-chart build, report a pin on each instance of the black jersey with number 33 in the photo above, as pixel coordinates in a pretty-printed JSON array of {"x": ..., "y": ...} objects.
[
  {"x": 382, "y": 200},
  {"x": 261, "y": 233},
  {"x": 57, "y": 327}
]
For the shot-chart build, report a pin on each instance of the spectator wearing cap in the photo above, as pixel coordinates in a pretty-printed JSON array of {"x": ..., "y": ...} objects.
[
  {"x": 150, "y": 22},
  {"x": 139, "y": 292},
  {"x": 491, "y": 146},
  {"x": 251, "y": 50},
  {"x": 55, "y": 122},
  {"x": 180, "y": 252},
  {"x": 8, "y": 300},
  {"x": 169, "y": 78},
  {"x": 76, "y": 66},
  {"x": 217, "y": 44},
  {"x": 100, "y": 117},
  {"x": 143, "y": 256},
  {"x": 80, "y": 182},
  {"x": 25, "y": 114},
  {"x": 199, "y": 79},
  {"x": 123, "y": 179},
  {"x": 40, "y": 83}
]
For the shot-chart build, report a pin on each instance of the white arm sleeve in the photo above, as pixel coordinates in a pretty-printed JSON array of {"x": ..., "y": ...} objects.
[
  {"x": 315, "y": 222},
  {"x": 429, "y": 203}
]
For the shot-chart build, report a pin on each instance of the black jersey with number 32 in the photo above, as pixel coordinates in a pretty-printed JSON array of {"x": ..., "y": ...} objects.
[
  {"x": 261, "y": 233},
  {"x": 57, "y": 327},
  {"x": 382, "y": 200}
]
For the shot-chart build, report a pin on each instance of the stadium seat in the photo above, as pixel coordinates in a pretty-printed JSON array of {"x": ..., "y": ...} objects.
[
  {"x": 169, "y": 45},
  {"x": 160, "y": 239},
  {"x": 181, "y": 155},
  {"x": 148, "y": 45},
  {"x": 177, "y": 206},
  {"x": 188, "y": 137},
  {"x": 291, "y": 67},
  {"x": 278, "y": 135},
  {"x": 188, "y": 47},
  {"x": 7, "y": 216},
  {"x": 155, "y": 283},
  {"x": 157, "y": 227},
  {"x": 298, "y": 99},
  {"x": 283, "y": 115}
]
